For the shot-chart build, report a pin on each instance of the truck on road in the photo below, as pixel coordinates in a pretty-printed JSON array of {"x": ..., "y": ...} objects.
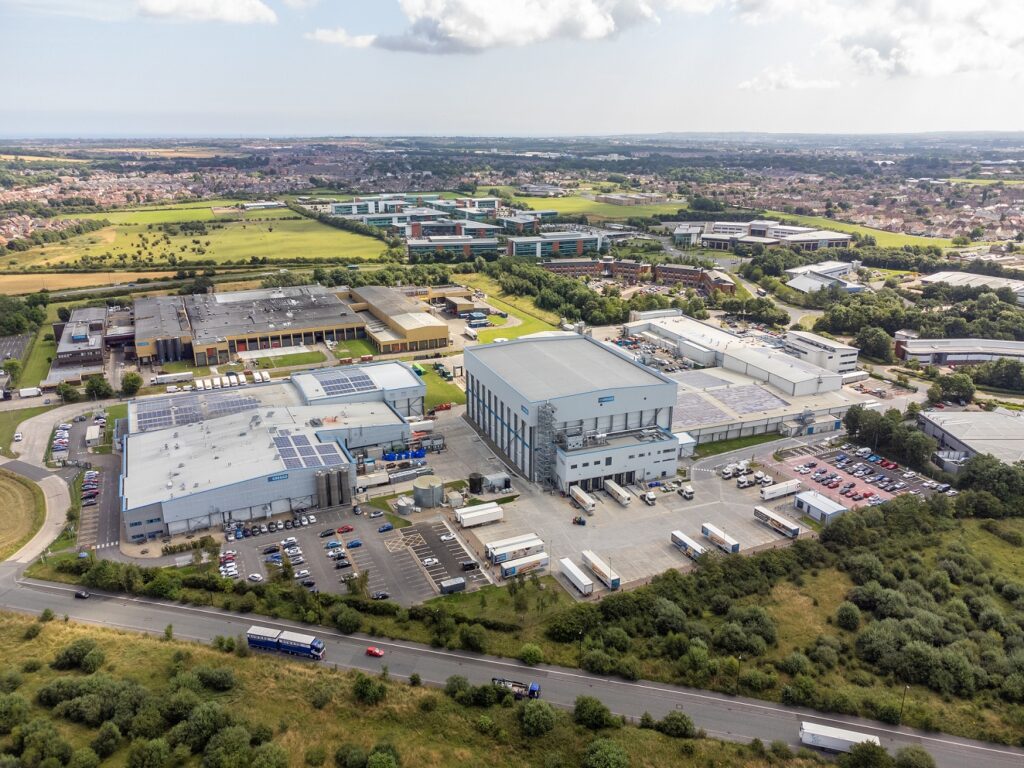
[
  {"x": 778, "y": 490},
  {"x": 617, "y": 492},
  {"x": 582, "y": 499},
  {"x": 519, "y": 690},
  {"x": 284, "y": 641},
  {"x": 30, "y": 392},
  {"x": 171, "y": 378},
  {"x": 833, "y": 739}
]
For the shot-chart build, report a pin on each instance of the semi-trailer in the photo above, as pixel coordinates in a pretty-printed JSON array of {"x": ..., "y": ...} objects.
[
  {"x": 617, "y": 492},
  {"x": 30, "y": 392},
  {"x": 524, "y": 565},
  {"x": 516, "y": 551},
  {"x": 519, "y": 690},
  {"x": 482, "y": 517},
  {"x": 171, "y": 378},
  {"x": 490, "y": 546},
  {"x": 284, "y": 641},
  {"x": 582, "y": 499},
  {"x": 778, "y": 490},
  {"x": 601, "y": 569},
  {"x": 779, "y": 523},
  {"x": 686, "y": 545},
  {"x": 833, "y": 739},
  {"x": 575, "y": 576},
  {"x": 719, "y": 539}
]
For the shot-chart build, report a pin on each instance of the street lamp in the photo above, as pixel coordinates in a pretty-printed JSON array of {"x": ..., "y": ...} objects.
[
  {"x": 579, "y": 656},
  {"x": 903, "y": 703}
]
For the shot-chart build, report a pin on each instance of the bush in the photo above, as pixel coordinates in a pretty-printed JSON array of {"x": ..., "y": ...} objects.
[
  {"x": 107, "y": 739},
  {"x": 13, "y": 711},
  {"x": 349, "y": 756},
  {"x": 677, "y": 725},
  {"x": 10, "y": 681},
  {"x": 154, "y": 753},
  {"x": 592, "y": 713},
  {"x": 536, "y": 718},
  {"x": 604, "y": 753},
  {"x": 848, "y": 616},
  {"x": 320, "y": 695},
  {"x": 71, "y": 656},
  {"x": 31, "y": 665},
  {"x": 367, "y": 690},
  {"x": 93, "y": 661},
  {"x": 381, "y": 760},
  {"x": 46, "y": 615},
  {"x": 473, "y": 637},
  {"x": 228, "y": 748},
  {"x": 217, "y": 679},
  {"x": 32, "y": 631},
  {"x": 914, "y": 757},
  {"x": 415, "y": 680},
  {"x": 456, "y": 685},
  {"x": 531, "y": 654},
  {"x": 269, "y": 755},
  {"x": 316, "y": 755},
  {"x": 866, "y": 755},
  {"x": 347, "y": 619},
  {"x": 388, "y": 749},
  {"x": 84, "y": 758}
]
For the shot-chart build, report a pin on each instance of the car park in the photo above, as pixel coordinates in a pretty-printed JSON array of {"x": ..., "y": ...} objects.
[
  {"x": 332, "y": 544},
  {"x": 301, "y": 574}
]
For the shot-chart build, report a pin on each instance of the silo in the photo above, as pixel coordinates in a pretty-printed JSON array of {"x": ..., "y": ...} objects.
[
  {"x": 427, "y": 492},
  {"x": 404, "y": 505},
  {"x": 476, "y": 483}
]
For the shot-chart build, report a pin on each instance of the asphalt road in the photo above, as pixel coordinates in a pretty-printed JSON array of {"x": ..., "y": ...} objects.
[{"x": 724, "y": 717}]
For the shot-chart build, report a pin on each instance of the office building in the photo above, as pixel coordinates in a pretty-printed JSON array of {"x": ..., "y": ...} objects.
[
  {"x": 825, "y": 353},
  {"x": 466, "y": 246},
  {"x": 958, "y": 351},
  {"x": 726, "y": 235},
  {"x": 549, "y": 245}
]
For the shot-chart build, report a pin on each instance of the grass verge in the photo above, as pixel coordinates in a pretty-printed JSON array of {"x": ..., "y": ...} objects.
[
  {"x": 9, "y": 421},
  {"x": 22, "y": 512},
  {"x": 704, "y": 450},
  {"x": 287, "y": 361}
]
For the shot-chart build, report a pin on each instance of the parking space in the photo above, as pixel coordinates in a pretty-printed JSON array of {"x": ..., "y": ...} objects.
[
  {"x": 13, "y": 346},
  {"x": 440, "y": 552}
]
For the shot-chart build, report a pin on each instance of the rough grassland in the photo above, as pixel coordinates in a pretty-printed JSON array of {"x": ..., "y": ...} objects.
[
  {"x": 12, "y": 285},
  {"x": 532, "y": 320},
  {"x": 22, "y": 511},
  {"x": 883, "y": 238}
]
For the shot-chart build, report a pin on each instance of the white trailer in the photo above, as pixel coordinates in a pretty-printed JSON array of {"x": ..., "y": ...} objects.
[
  {"x": 264, "y": 376},
  {"x": 575, "y": 576},
  {"x": 30, "y": 392},
  {"x": 686, "y": 545},
  {"x": 516, "y": 551},
  {"x": 215, "y": 381},
  {"x": 474, "y": 508},
  {"x": 171, "y": 378},
  {"x": 232, "y": 380},
  {"x": 426, "y": 425},
  {"x": 373, "y": 479},
  {"x": 617, "y": 492},
  {"x": 833, "y": 739},
  {"x": 600, "y": 569},
  {"x": 524, "y": 565},
  {"x": 492, "y": 545},
  {"x": 225, "y": 382},
  {"x": 472, "y": 519},
  {"x": 583, "y": 499},
  {"x": 200, "y": 385},
  {"x": 778, "y": 490},
  {"x": 719, "y": 538}
]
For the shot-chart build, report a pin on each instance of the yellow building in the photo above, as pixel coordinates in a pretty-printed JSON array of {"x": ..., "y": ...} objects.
[{"x": 397, "y": 323}]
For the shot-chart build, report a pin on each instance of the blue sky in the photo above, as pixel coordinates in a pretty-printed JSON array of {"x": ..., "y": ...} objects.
[{"x": 507, "y": 67}]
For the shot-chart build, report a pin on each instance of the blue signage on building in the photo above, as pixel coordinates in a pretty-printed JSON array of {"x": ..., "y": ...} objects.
[
  {"x": 275, "y": 478},
  {"x": 606, "y": 399},
  {"x": 525, "y": 410}
]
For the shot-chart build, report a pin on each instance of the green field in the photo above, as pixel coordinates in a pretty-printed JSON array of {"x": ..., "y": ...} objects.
[
  {"x": 9, "y": 421},
  {"x": 176, "y": 212},
  {"x": 987, "y": 182},
  {"x": 132, "y": 244},
  {"x": 575, "y": 205},
  {"x": 354, "y": 348},
  {"x": 532, "y": 320},
  {"x": 724, "y": 446},
  {"x": 441, "y": 391},
  {"x": 36, "y": 363},
  {"x": 884, "y": 239},
  {"x": 296, "y": 358}
]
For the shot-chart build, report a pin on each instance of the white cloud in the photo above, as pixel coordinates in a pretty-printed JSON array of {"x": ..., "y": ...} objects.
[
  {"x": 229, "y": 11},
  {"x": 300, "y": 4},
  {"x": 339, "y": 36},
  {"x": 785, "y": 78}
]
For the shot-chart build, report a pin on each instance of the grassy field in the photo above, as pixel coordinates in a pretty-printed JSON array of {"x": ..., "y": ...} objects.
[
  {"x": 354, "y": 348},
  {"x": 184, "y": 366},
  {"x": 724, "y": 446},
  {"x": 574, "y": 205},
  {"x": 532, "y": 320},
  {"x": 441, "y": 391},
  {"x": 297, "y": 358},
  {"x": 35, "y": 365},
  {"x": 39, "y": 159},
  {"x": 883, "y": 238},
  {"x": 12, "y": 285},
  {"x": 427, "y": 728},
  {"x": 22, "y": 511},
  {"x": 170, "y": 213},
  {"x": 987, "y": 182},
  {"x": 133, "y": 244},
  {"x": 9, "y": 421}
]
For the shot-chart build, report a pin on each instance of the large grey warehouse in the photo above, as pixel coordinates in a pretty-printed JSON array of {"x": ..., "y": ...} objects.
[
  {"x": 564, "y": 409},
  {"x": 194, "y": 461}
]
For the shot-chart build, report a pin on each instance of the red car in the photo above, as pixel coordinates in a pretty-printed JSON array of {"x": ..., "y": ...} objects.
[
  {"x": 346, "y": 529},
  {"x": 373, "y": 650}
]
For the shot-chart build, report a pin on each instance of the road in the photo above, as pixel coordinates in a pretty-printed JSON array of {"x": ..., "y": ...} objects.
[{"x": 725, "y": 717}]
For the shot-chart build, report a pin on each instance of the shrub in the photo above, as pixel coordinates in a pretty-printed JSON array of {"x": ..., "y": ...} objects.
[
  {"x": 154, "y": 753},
  {"x": 866, "y": 755},
  {"x": 347, "y": 619},
  {"x": 316, "y": 755},
  {"x": 32, "y": 631},
  {"x": 367, "y": 690},
  {"x": 385, "y": 748},
  {"x": 349, "y": 756},
  {"x": 320, "y": 695},
  {"x": 455, "y": 685},
  {"x": 794, "y": 664},
  {"x": 92, "y": 661},
  {"x": 107, "y": 739},
  {"x": 10, "y": 681},
  {"x": 848, "y": 616},
  {"x": 473, "y": 637},
  {"x": 381, "y": 760},
  {"x": 914, "y": 757},
  {"x": 31, "y": 665},
  {"x": 46, "y": 615},
  {"x": 228, "y": 748},
  {"x": 592, "y": 713},
  {"x": 13, "y": 711},
  {"x": 677, "y": 725},
  {"x": 217, "y": 679},
  {"x": 84, "y": 758},
  {"x": 531, "y": 654},
  {"x": 604, "y": 753},
  {"x": 269, "y": 755},
  {"x": 536, "y": 718},
  {"x": 415, "y": 680},
  {"x": 71, "y": 656},
  {"x": 598, "y": 662},
  {"x": 781, "y": 750}
]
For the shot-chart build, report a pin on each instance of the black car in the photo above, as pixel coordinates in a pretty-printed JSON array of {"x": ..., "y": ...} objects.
[
  {"x": 324, "y": 534},
  {"x": 82, "y": 594},
  {"x": 342, "y": 564},
  {"x": 287, "y": 523},
  {"x": 271, "y": 549},
  {"x": 380, "y": 595},
  {"x": 308, "y": 583}
]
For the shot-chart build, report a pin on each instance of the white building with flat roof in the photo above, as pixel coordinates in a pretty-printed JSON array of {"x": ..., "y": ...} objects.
[
  {"x": 818, "y": 507},
  {"x": 976, "y": 281},
  {"x": 565, "y": 410},
  {"x": 958, "y": 351},
  {"x": 821, "y": 351},
  {"x": 963, "y": 434}
]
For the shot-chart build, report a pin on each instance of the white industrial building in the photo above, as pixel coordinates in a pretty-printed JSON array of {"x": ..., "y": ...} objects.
[
  {"x": 957, "y": 351},
  {"x": 818, "y": 507},
  {"x": 963, "y": 434},
  {"x": 810, "y": 278},
  {"x": 193, "y": 461},
  {"x": 565, "y": 409},
  {"x": 976, "y": 281},
  {"x": 724, "y": 235},
  {"x": 823, "y": 352}
]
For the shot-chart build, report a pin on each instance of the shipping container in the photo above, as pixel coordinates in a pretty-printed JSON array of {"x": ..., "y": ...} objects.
[
  {"x": 575, "y": 576},
  {"x": 450, "y": 586},
  {"x": 473, "y": 519},
  {"x": 601, "y": 569},
  {"x": 719, "y": 539},
  {"x": 779, "y": 523},
  {"x": 686, "y": 545},
  {"x": 833, "y": 739}
]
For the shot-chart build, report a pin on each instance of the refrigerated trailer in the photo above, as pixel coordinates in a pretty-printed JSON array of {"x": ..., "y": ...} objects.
[
  {"x": 583, "y": 499},
  {"x": 778, "y": 490},
  {"x": 779, "y": 523},
  {"x": 516, "y": 551},
  {"x": 719, "y": 539},
  {"x": 490, "y": 546},
  {"x": 601, "y": 569},
  {"x": 482, "y": 517},
  {"x": 617, "y": 492},
  {"x": 575, "y": 576},
  {"x": 833, "y": 739},
  {"x": 524, "y": 565},
  {"x": 686, "y": 545}
]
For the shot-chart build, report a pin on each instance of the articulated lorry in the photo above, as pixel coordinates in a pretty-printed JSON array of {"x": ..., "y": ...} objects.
[
  {"x": 601, "y": 569},
  {"x": 778, "y": 490},
  {"x": 833, "y": 739},
  {"x": 719, "y": 538},
  {"x": 519, "y": 690},
  {"x": 285, "y": 642},
  {"x": 524, "y": 565},
  {"x": 490, "y": 546},
  {"x": 516, "y": 551},
  {"x": 617, "y": 492},
  {"x": 583, "y": 499}
]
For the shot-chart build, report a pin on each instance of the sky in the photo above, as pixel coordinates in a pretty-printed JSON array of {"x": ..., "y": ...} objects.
[{"x": 134, "y": 68}]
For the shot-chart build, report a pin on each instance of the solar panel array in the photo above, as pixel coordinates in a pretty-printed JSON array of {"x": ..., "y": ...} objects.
[
  {"x": 297, "y": 452},
  {"x": 178, "y": 410},
  {"x": 344, "y": 383}
]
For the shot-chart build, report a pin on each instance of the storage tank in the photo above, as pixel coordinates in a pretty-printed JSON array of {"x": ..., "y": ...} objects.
[
  {"x": 476, "y": 483},
  {"x": 428, "y": 492},
  {"x": 404, "y": 505}
]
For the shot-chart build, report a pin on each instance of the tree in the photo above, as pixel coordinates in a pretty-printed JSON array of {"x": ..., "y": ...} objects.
[
  {"x": 914, "y": 757},
  {"x": 154, "y": 753},
  {"x": 605, "y": 753},
  {"x": 13, "y": 711},
  {"x": 12, "y": 368},
  {"x": 955, "y": 386},
  {"x": 592, "y": 713},
  {"x": 473, "y": 637},
  {"x": 98, "y": 388},
  {"x": 367, "y": 690},
  {"x": 536, "y": 717},
  {"x": 269, "y": 755},
  {"x": 84, "y": 758},
  {"x": 67, "y": 393},
  {"x": 677, "y": 725},
  {"x": 866, "y": 755},
  {"x": 131, "y": 382},
  {"x": 107, "y": 739},
  {"x": 229, "y": 748},
  {"x": 848, "y": 616},
  {"x": 875, "y": 342},
  {"x": 531, "y": 654}
]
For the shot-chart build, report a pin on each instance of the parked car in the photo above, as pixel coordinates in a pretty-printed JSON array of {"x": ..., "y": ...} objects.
[
  {"x": 301, "y": 574},
  {"x": 375, "y": 514},
  {"x": 354, "y": 544},
  {"x": 385, "y": 528},
  {"x": 346, "y": 529},
  {"x": 448, "y": 537},
  {"x": 380, "y": 596},
  {"x": 428, "y": 561},
  {"x": 342, "y": 564},
  {"x": 325, "y": 534}
]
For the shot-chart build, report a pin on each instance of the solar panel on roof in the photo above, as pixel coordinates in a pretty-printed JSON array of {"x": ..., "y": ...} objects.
[
  {"x": 292, "y": 463},
  {"x": 287, "y": 453},
  {"x": 300, "y": 440},
  {"x": 282, "y": 442},
  {"x": 312, "y": 461},
  {"x": 307, "y": 450},
  {"x": 326, "y": 450}
]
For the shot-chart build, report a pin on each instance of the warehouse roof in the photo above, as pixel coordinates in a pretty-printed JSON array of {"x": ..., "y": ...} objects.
[
  {"x": 821, "y": 501},
  {"x": 344, "y": 381},
  {"x": 964, "y": 346},
  {"x": 999, "y": 432},
  {"x": 561, "y": 366},
  {"x": 965, "y": 278},
  {"x": 160, "y": 317}
]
